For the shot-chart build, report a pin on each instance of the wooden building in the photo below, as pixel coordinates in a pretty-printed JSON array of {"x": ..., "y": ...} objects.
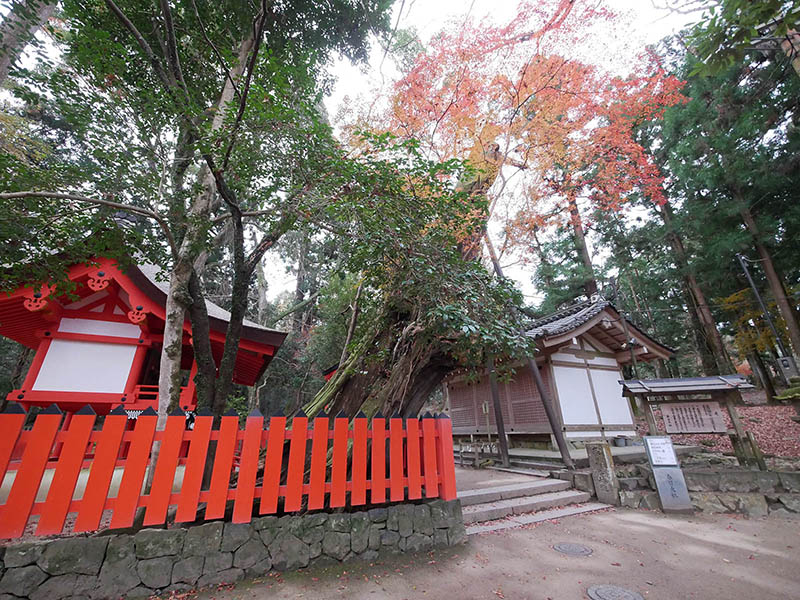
[
  {"x": 101, "y": 345},
  {"x": 583, "y": 348}
]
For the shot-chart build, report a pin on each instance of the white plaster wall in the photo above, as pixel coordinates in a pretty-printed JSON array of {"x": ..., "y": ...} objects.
[
  {"x": 564, "y": 357},
  {"x": 71, "y": 366},
  {"x": 93, "y": 327},
  {"x": 614, "y": 408},
  {"x": 604, "y": 361},
  {"x": 574, "y": 395}
]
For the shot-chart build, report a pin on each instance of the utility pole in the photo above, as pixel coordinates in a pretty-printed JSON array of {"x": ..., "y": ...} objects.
[{"x": 788, "y": 366}]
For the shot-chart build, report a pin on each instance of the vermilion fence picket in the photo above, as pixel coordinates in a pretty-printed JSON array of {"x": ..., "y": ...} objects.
[{"x": 329, "y": 462}]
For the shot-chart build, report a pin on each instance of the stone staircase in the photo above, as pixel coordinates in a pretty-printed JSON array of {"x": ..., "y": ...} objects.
[{"x": 518, "y": 504}]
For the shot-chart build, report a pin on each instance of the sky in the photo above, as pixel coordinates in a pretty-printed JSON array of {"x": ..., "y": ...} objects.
[{"x": 644, "y": 24}]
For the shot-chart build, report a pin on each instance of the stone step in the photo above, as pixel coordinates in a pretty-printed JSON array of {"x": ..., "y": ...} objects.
[
  {"x": 514, "y": 490},
  {"x": 524, "y": 462},
  {"x": 490, "y": 511},
  {"x": 522, "y": 471},
  {"x": 537, "y": 517}
]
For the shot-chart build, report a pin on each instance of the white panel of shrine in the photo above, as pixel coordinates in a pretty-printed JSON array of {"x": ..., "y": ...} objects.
[
  {"x": 574, "y": 395},
  {"x": 71, "y": 366},
  {"x": 614, "y": 408}
]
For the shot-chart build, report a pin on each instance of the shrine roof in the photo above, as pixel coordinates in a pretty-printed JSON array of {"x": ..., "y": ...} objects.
[
  {"x": 250, "y": 330},
  {"x": 685, "y": 385},
  {"x": 600, "y": 319},
  {"x": 566, "y": 319}
]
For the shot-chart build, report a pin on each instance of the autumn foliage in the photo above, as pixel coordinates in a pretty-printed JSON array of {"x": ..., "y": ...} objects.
[{"x": 507, "y": 99}]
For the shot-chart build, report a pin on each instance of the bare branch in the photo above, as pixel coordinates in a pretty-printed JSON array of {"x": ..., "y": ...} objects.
[
  {"x": 214, "y": 48},
  {"x": 148, "y": 51},
  {"x": 172, "y": 47}
]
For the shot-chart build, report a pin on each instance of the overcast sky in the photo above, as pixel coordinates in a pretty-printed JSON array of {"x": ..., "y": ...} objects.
[{"x": 645, "y": 24}]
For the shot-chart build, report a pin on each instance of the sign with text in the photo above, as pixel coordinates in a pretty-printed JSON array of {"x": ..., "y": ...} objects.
[
  {"x": 660, "y": 451},
  {"x": 693, "y": 417},
  {"x": 670, "y": 483}
]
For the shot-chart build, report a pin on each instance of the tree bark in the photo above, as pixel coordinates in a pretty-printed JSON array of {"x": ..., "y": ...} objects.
[
  {"x": 773, "y": 279},
  {"x": 201, "y": 344},
  {"x": 399, "y": 381},
  {"x": 351, "y": 328},
  {"x": 301, "y": 285},
  {"x": 545, "y": 264},
  {"x": 498, "y": 412},
  {"x": 590, "y": 282},
  {"x": 18, "y": 373},
  {"x": 711, "y": 335},
  {"x": 243, "y": 269},
  {"x": 18, "y": 28},
  {"x": 178, "y": 296},
  {"x": 707, "y": 359},
  {"x": 242, "y": 276}
]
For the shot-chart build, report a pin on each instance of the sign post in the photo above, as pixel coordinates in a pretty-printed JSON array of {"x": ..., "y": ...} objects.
[{"x": 671, "y": 485}]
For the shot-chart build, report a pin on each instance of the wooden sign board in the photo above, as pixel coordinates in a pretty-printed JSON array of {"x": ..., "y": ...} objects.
[{"x": 693, "y": 417}]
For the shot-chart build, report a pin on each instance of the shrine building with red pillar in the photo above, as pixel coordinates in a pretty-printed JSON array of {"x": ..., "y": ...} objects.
[{"x": 101, "y": 344}]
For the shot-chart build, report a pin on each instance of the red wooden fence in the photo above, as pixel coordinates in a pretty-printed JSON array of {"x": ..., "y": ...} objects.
[{"x": 420, "y": 462}]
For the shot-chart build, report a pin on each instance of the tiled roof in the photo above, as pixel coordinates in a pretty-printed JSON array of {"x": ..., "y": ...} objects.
[
  {"x": 566, "y": 319},
  {"x": 152, "y": 272},
  {"x": 686, "y": 385}
]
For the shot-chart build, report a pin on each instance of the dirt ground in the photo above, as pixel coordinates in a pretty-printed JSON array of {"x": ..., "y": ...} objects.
[{"x": 704, "y": 557}]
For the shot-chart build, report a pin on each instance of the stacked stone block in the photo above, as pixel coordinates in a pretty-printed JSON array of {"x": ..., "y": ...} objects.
[
  {"x": 154, "y": 561},
  {"x": 752, "y": 493}
]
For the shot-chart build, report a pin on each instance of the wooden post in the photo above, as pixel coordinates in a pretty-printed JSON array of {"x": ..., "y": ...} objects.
[
  {"x": 762, "y": 464},
  {"x": 555, "y": 422},
  {"x": 649, "y": 417},
  {"x": 498, "y": 412},
  {"x": 738, "y": 449},
  {"x": 743, "y": 454}
]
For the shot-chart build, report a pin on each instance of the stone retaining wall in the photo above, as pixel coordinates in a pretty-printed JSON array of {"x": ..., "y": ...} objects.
[
  {"x": 754, "y": 493},
  {"x": 154, "y": 561}
]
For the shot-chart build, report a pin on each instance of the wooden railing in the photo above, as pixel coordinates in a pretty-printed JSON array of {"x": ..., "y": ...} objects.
[{"x": 408, "y": 458}]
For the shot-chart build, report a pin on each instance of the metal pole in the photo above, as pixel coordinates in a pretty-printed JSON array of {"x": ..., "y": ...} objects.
[{"x": 784, "y": 353}]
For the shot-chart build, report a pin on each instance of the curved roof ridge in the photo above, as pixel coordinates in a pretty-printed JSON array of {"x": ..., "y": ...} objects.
[{"x": 567, "y": 318}]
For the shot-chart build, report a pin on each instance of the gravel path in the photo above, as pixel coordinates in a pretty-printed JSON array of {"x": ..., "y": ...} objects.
[{"x": 707, "y": 557}]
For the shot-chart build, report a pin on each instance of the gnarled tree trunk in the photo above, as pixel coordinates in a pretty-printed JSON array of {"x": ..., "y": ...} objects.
[{"x": 400, "y": 383}]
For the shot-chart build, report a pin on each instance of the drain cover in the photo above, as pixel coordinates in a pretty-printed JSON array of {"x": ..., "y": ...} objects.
[
  {"x": 612, "y": 592},
  {"x": 572, "y": 549}
]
